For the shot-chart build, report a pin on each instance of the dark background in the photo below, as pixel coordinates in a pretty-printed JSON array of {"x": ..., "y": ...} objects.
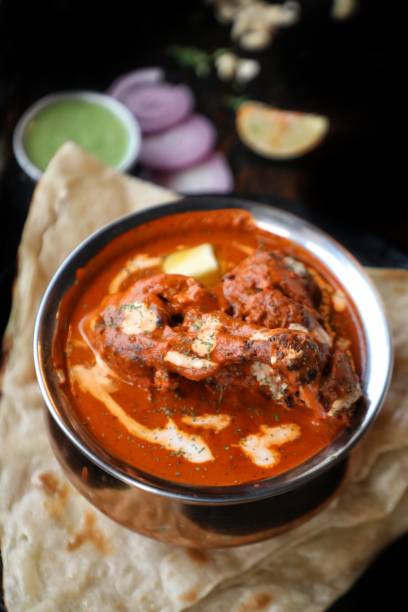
[{"x": 349, "y": 185}]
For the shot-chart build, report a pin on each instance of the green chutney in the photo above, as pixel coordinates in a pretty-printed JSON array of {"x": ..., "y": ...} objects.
[{"x": 93, "y": 126}]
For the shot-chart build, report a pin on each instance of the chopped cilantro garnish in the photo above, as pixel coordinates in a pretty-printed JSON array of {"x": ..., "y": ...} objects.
[{"x": 130, "y": 306}]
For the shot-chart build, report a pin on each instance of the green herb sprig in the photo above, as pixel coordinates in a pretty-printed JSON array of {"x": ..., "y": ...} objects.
[{"x": 199, "y": 60}]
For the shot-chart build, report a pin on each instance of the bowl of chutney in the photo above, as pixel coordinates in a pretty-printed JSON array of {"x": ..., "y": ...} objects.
[{"x": 100, "y": 124}]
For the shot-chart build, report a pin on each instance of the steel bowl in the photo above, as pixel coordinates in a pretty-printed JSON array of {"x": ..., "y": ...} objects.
[{"x": 199, "y": 516}]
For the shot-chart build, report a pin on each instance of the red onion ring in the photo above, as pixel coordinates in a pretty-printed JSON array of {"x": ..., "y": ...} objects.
[
  {"x": 213, "y": 175},
  {"x": 181, "y": 146},
  {"x": 157, "y": 106},
  {"x": 120, "y": 86}
]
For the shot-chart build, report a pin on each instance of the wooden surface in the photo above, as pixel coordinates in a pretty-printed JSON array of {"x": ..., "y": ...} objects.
[{"x": 342, "y": 70}]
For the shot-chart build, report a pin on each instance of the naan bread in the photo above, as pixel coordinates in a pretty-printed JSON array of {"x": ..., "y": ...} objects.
[{"x": 61, "y": 554}]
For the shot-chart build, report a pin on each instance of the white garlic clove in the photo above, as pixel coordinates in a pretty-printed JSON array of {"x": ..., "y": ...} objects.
[
  {"x": 226, "y": 64},
  {"x": 247, "y": 69}
]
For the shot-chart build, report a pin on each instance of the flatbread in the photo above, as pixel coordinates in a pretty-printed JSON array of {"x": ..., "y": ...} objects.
[{"x": 60, "y": 553}]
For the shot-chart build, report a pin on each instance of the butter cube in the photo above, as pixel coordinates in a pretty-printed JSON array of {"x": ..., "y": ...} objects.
[{"x": 199, "y": 262}]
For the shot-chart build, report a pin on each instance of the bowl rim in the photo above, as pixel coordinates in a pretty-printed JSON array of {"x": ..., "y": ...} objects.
[
  {"x": 376, "y": 376},
  {"x": 115, "y": 106}
]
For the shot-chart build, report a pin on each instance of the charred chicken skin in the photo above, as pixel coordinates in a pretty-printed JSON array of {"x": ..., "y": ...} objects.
[{"x": 266, "y": 323}]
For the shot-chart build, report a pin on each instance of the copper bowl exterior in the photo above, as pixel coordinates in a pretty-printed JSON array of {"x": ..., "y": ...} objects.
[{"x": 209, "y": 517}]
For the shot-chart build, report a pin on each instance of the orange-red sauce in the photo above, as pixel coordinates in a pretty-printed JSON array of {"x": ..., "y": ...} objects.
[{"x": 230, "y": 233}]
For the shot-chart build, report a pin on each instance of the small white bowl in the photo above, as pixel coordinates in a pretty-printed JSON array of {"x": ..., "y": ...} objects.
[{"x": 108, "y": 102}]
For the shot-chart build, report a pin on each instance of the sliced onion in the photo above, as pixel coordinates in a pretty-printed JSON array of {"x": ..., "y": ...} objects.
[
  {"x": 212, "y": 175},
  {"x": 181, "y": 146},
  {"x": 126, "y": 82},
  {"x": 158, "y": 106}
]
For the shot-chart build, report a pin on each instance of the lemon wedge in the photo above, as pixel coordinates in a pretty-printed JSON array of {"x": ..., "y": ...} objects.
[
  {"x": 199, "y": 262},
  {"x": 279, "y": 134}
]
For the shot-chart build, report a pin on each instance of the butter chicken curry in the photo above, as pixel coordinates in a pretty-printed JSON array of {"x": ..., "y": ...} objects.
[{"x": 204, "y": 350}]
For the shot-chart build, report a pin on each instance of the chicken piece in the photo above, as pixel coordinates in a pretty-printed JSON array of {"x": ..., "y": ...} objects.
[
  {"x": 272, "y": 309},
  {"x": 155, "y": 303},
  {"x": 264, "y": 271},
  {"x": 277, "y": 291},
  {"x": 260, "y": 295}
]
